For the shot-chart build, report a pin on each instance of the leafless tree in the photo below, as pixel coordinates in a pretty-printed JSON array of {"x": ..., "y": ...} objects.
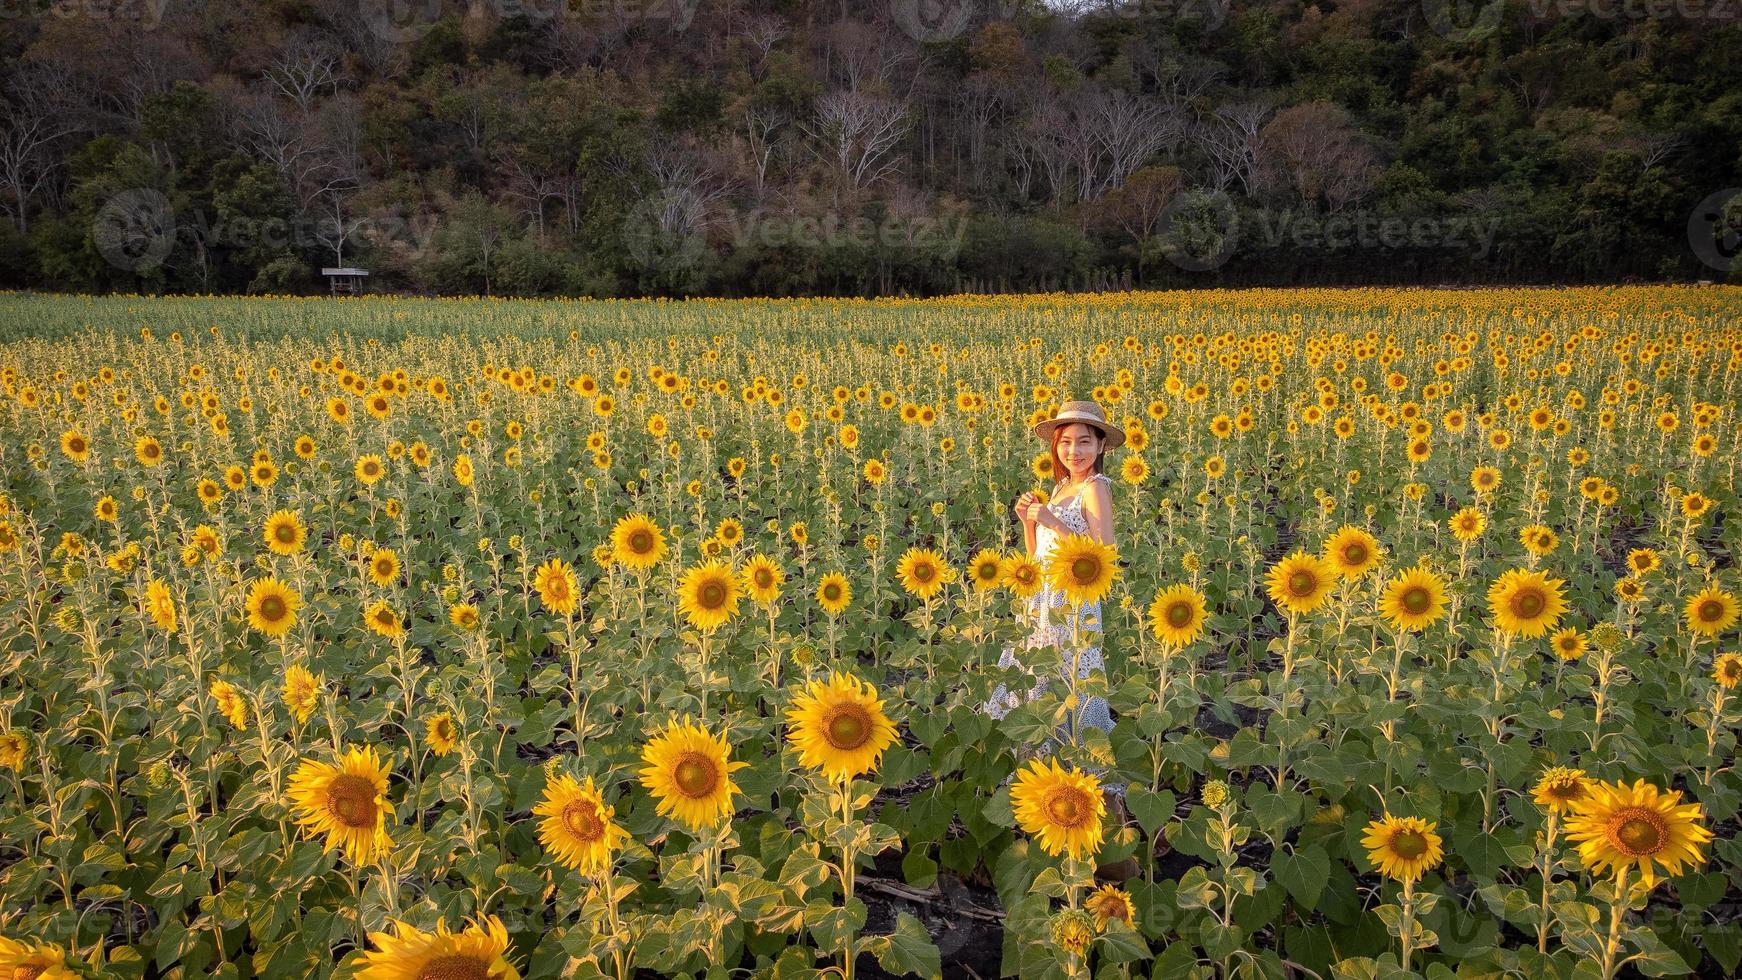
[
  {"x": 306, "y": 67},
  {"x": 760, "y": 138},
  {"x": 856, "y": 132},
  {"x": 1656, "y": 147},
  {"x": 1228, "y": 137},
  {"x": 762, "y": 32},
  {"x": 38, "y": 111},
  {"x": 1317, "y": 152},
  {"x": 1089, "y": 144}
]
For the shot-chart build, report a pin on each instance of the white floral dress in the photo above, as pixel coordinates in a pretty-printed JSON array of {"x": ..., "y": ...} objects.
[{"x": 1050, "y": 619}]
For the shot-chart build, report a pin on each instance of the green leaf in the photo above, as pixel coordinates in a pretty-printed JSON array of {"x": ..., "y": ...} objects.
[
  {"x": 1304, "y": 873},
  {"x": 908, "y": 951},
  {"x": 1151, "y": 809}
]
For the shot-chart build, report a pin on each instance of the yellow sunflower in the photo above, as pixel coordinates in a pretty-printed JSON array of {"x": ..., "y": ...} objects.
[
  {"x": 1467, "y": 524},
  {"x": 13, "y": 747},
  {"x": 834, "y": 593},
  {"x": 708, "y": 595},
  {"x": 1402, "y": 848},
  {"x": 578, "y": 828},
  {"x": 1618, "y": 826},
  {"x": 985, "y": 569},
  {"x": 1538, "y": 539},
  {"x": 1352, "y": 551},
  {"x": 1177, "y": 616},
  {"x": 33, "y": 961},
  {"x": 1526, "y": 603},
  {"x": 284, "y": 533},
  {"x": 441, "y": 733},
  {"x": 1711, "y": 611},
  {"x": 921, "y": 571},
  {"x": 637, "y": 542},
  {"x": 1727, "y": 669},
  {"x": 369, "y": 469},
  {"x": 1108, "y": 903},
  {"x": 476, "y": 952},
  {"x": 1021, "y": 575},
  {"x": 839, "y": 726},
  {"x": 1062, "y": 809},
  {"x": 346, "y": 802},
  {"x": 160, "y": 606},
  {"x": 272, "y": 606},
  {"x": 1300, "y": 583},
  {"x": 1559, "y": 788},
  {"x": 1082, "y": 568},
  {"x": 383, "y": 566},
  {"x": 1414, "y": 600},
  {"x": 763, "y": 578},
  {"x": 689, "y": 773},
  {"x": 1568, "y": 644},
  {"x": 557, "y": 587},
  {"x": 383, "y": 619},
  {"x": 302, "y": 692}
]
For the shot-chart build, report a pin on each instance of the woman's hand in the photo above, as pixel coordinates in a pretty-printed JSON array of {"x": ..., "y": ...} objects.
[
  {"x": 1036, "y": 513},
  {"x": 1023, "y": 503}
]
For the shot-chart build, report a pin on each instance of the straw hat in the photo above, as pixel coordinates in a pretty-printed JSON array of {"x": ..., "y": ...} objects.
[{"x": 1088, "y": 412}]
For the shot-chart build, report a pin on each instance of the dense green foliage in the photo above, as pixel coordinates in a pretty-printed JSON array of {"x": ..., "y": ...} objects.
[{"x": 781, "y": 147}]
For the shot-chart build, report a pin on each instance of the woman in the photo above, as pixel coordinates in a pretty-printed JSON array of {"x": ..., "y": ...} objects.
[{"x": 1081, "y": 503}]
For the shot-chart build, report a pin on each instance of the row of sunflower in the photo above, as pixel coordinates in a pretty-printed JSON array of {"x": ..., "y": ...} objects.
[{"x": 486, "y": 638}]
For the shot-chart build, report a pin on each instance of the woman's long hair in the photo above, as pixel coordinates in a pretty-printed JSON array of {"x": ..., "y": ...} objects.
[{"x": 1059, "y": 471}]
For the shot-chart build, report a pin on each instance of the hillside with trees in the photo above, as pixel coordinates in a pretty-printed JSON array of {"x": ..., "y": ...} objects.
[{"x": 731, "y": 147}]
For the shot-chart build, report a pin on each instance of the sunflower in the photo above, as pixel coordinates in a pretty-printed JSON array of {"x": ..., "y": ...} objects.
[
  {"x": 921, "y": 571},
  {"x": 1467, "y": 524},
  {"x": 383, "y": 566},
  {"x": 346, "y": 802},
  {"x": 1727, "y": 669},
  {"x": 76, "y": 445},
  {"x": 708, "y": 595},
  {"x": 875, "y": 472},
  {"x": 1402, "y": 848},
  {"x": 834, "y": 593},
  {"x": 369, "y": 469},
  {"x": 463, "y": 615},
  {"x": 1629, "y": 589},
  {"x": 1618, "y": 826},
  {"x": 729, "y": 531},
  {"x": 1108, "y": 903},
  {"x": 1559, "y": 788},
  {"x": 1301, "y": 582},
  {"x": 637, "y": 542},
  {"x": 441, "y": 732},
  {"x": 13, "y": 746},
  {"x": 985, "y": 569},
  {"x": 302, "y": 692},
  {"x": 1484, "y": 479},
  {"x": 689, "y": 774},
  {"x": 578, "y": 829},
  {"x": 1062, "y": 808},
  {"x": 1073, "y": 930},
  {"x": 477, "y": 952},
  {"x": 1414, "y": 600},
  {"x": 272, "y": 606},
  {"x": 1711, "y": 611},
  {"x": 1643, "y": 561},
  {"x": 1134, "y": 470},
  {"x": 160, "y": 606},
  {"x": 763, "y": 578},
  {"x": 1082, "y": 568},
  {"x": 1021, "y": 575},
  {"x": 1568, "y": 644},
  {"x": 381, "y": 617},
  {"x": 33, "y": 961},
  {"x": 1526, "y": 603},
  {"x": 1353, "y": 551},
  {"x": 284, "y": 533},
  {"x": 557, "y": 588},
  {"x": 1177, "y": 616},
  {"x": 148, "y": 450},
  {"x": 839, "y": 726}
]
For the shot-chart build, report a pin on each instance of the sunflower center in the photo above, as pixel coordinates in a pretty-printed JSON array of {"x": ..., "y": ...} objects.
[
  {"x": 1528, "y": 604},
  {"x": 1711, "y": 611},
  {"x": 764, "y": 578},
  {"x": 272, "y": 608},
  {"x": 1086, "y": 569},
  {"x": 1068, "y": 806},
  {"x": 28, "y": 971},
  {"x": 831, "y": 592},
  {"x": 286, "y": 533},
  {"x": 712, "y": 595},
  {"x": 847, "y": 727},
  {"x": 1415, "y": 600},
  {"x": 351, "y": 801},
  {"x": 695, "y": 775},
  {"x": 923, "y": 572},
  {"x": 1355, "y": 553},
  {"x": 454, "y": 967},
  {"x": 1302, "y": 583},
  {"x": 641, "y": 542},
  {"x": 581, "y": 818},
  {"x": 1638, "y": 832},
  {"x": 1567, "y": 791},
  {"x": 1409, "y": 844}
]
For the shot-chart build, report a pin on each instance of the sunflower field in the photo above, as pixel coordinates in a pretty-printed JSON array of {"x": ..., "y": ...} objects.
[{"x": 444, "y": 639}]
